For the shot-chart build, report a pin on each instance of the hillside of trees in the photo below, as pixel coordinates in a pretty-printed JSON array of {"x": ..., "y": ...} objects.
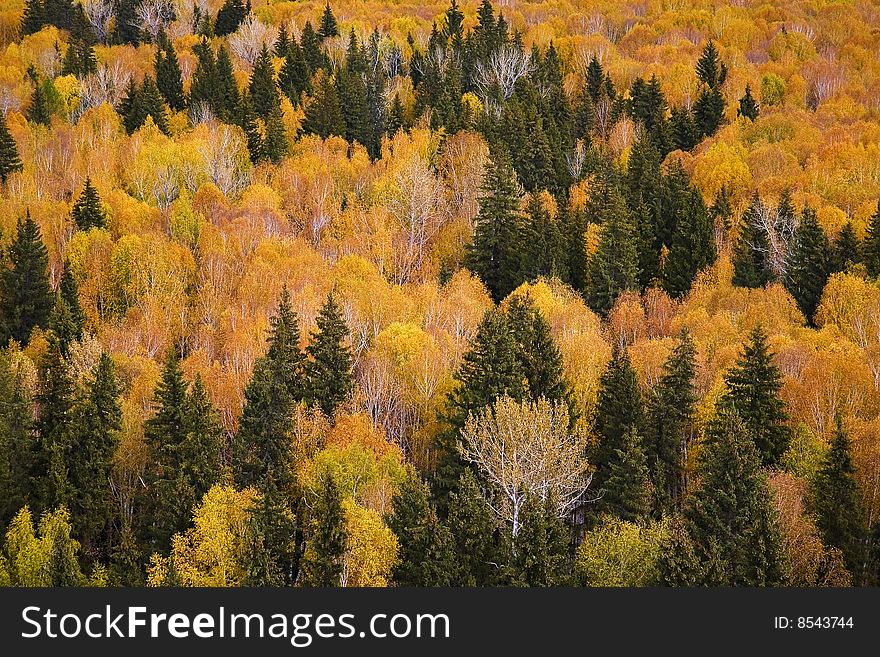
[{"x": 439, "y": 294}]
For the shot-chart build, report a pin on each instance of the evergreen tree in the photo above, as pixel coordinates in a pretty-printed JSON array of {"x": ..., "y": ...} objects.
[
  {"x": 847, "y": 250},
  {"x": 139, "y": 103},
  {"x": 708, "y": 112},
  {"x": 618, "y": 411},
  {"x": 671, "y": 411},
  {"x": 62, "y": 325},
  {"x": 16, "y": 420},
  {"x": 282, "y": 42},
  {"x": 325, "y": 546},
  {"x": 751, "y": 265},
  {"x": 263, "y": 91},
  {"x": 495, "y": 253},
  {"x": 710, "y": 69},
  {"x": 541, "y": 546},
  {"x": 685, "y": 133},
  {"x": 10, "y": 162},
  {"x": 275, "y": 143},
  {"x": 352, "y": 94},
  {"x": 126, "y": 29},
  {"x": 33, "y": 18},
  {"x": 693, "y": 244},
  {"x": 39, "y": 111},
  {"x": 324, "y": 113},
  {"x": 294, "y": 77},
  {"x": 328, "y": 370},
  {"x": 226, "y": 95},
  {"x": 26, "y": 299},
  {"x": 753, "y": 386},
  {"x": 871, "y": 248},
  {"x": 311, "y": 45},
  {"x": 730, "y": 522},
  {"x": 169, "y": 79},
  {"x": 230, "y": 16},
  {"x": 329, "y": 27},
  {"x": 87, "y": 212},
  {"x": 203, "y": 90},
  {"x": 748, "y": 106},
  {"x": 477, "y": 538},
  {"x": 614, "y": 267},
  {"x": 425, "y": 556},
  {"x": 835, "y": 501},
  {"x": 807, "y": 266},
  {"x": 628, "y": 491}
]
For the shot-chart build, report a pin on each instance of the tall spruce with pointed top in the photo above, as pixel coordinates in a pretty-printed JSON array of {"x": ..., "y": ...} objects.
[
  {"x": 425, "y": 556},
  {"x": 329, "y": 27},
  {"x": 87, "y": 212},
  {"x": 327, "y": 539},
  {"x": 495, "y": 253},
  {"x": 808, "y": 264},
  {"x": 33, "y": 18},
  {"x": 753, "y": 386},
  {"x": 614, "y": 267},
  {"x": 26, "y": 299},
  {"x": 39, "y": 111},
  {"x": 846, "y": 250},
  {"x": 126, "y": 28},
  {"x": 324, "y": 111},
  {"x": 169, "y": 79},
  {"x": 748, "y": 106},
  {"x": 68, "y": 290},
  {"x": 628, "y": 491},
  {"x": 328, "y": 371},
  {"x": 871, "y": 248},
  {"x": 10, "y": 161},
  {"x": 294, "y": 77},
  {"x": 835, "y": 502},
  {"x": 275, "y": 142},
  {"x": 692, "y": 248},
  {"x": 262, "y": 88},
  {"x": 751, "y": 264},
  {"x": 730, "y": 526}
]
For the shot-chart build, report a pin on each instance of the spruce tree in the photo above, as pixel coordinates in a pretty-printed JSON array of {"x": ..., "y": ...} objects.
[
  {"x": 808, "y": 264},
  {"x": 425, "y": 556},
  {"x": 152, "y": 104},
  {"x": 730, "y": 523},
  {"x": 477, "y": 540},
  {"x": 329, "y": 27},
  {"x": 39, "y": 111},
  {"x": 751, "y": 265},
  {"x": 275, "y": 143},
  {"x": 26, "y": 299},
  {"x": 262, "y": 88},
  {"x": 282, "y": 42},
  {"x": 670, "y": 423},
  {"x": 62, "y": 325},
  {"x": 311, "y": 45},
  {"x": 324, "y": 112},
  {"x": 16, "y": 419},
  {"x": 628, "y": 491},
  {"x": 708, "y": 112},
  {"x": 10, "y": 162},
  {"x": 87, "y": 212},
  {"x": 753, "y": 386},
  {"x": 871, "y": 248},
  {"x": 685, "y": 133},
  {"x": 614, "y": 267},
  {"x": 327, "y": 540},
  {"x": 126, "y": 30},
  {"x": 352, "y": 94},
  {"x": 541, "y": 546},
  {"x": 495, "y": 253},
  {"x": 693, "y": 245},
  {"x": 230, "y": 16},
  {"x": 33, "y": 18},
  {"x": 846, "y": 251},
  {"x": 294, "y": 77},
  {"x": 748, "y": 106},
  {"x": 329, "y": 379},
  {"x": 543, "y": 244},
  {"x": 710, "y": 69},
  {"x": 169, "y": 79}
]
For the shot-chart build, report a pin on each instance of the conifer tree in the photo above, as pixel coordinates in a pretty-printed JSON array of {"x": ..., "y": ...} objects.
[
  {"x": 62, "y": 325},
  {"x": 324, "y": 112},
  {"x": 169, "y": 79},
  {"x": 614, "y": 268},
  {"x": 282, "y": 42},
  {"x": 871, "y": 248},
  {"x": 710, "y": 69},
  {"x": 329, "y": 27},
  {"x": 807, "y": 266},
  {"x": 10, "y": 162},
  {"x": 708, "y": 112},
  {"x": 425, "y": 556},
  {"x": 541, "y": 546},
  {"x": 126, "y": 30},
  {"x": 748, "y": 106},
  {"x": 627, "y": 492},
  {"x": 846, "y": 251},
  {"x": 16, "y": 420},
  {"x": 730, "y": 523},
  {"x": 39, "y": 111},
  {"x": 670, "y": 429},
  {"x": 294, "y": 77},
  {"x": 835, "y": 502},
  {"x": 262, "y": 88},
  {"x": 477, "y": 541},
  {"x": 230, "y": 16},
  {"x": 33, "y": 18},
  {"x": 495, "y": 254},
  {"x": 26, "y": 299},
  {"x": 753, "y": 386},
  {"x": 327, "y": 540},
  {"x": 275, "y": 143},
  {"x": 87, "y": 212},
  {"x": 328, "y": 370},
  {"x": 692, "y": 248},
  {"x": 311, "y": 45},
  {"x": 352, "y": 94},
  {"x": 751, "y": 265},
  {"x": 685, "y": 134}
]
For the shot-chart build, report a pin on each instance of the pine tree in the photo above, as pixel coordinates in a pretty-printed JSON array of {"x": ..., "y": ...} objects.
[
  {"x": 152, "y": 104},
  {"x": 203, "y": 90},
  {"x": 26, "y": 299},
  {"x": 425, "y": 556},
  {"x": 748, "y": 106},
  {"x": 87, "y": 212},
  {"x": 230, "y": 16},
  {"x": 847, "y": 251},
  {"x": 62, "y": 325},
  {"x": 495, "y": 253},
  {"x": 489, "y": 369},
  {"x": 275, "y": 144},
  {"x": 325, "y": 545},
  {"x": 226, "y": 94},
  {"x": 671, "y": 411},
  {"x": 477, "y": 539},
  {"x": 169, "y": 79},
  {"x": 324, "y": 112},
  {"x": 328, "y": 370},
  {"x": 282, "y": 42},
  {"x": 628, "y": 491},
  {"x": 10, "y": 162},
  {"x": 541, "y": 546},
  {"x": 126, "y": 30},
  {"x": 33, "y": 18},
  {"x": 708, "y": 112},
  {"x": 16, "y": 419},
  {"x": 835, "y": 501},
  {"x": 751, "y": 265},
  {"x": 808, "y": 265},
  {"x": 352, "y": 93},
  {"x": 329, "y": 27},
  {"x": 294, "y": 77},
  {"x": 39, "y": 111},
  {"x": 710, "y": 69},
  {"x": 730, "y": 522},
  {"x": 753, "y": 386},
  {"x": 685, "y": 133},
  {"x": 311, "y": 45},
  {"x": 614, "y": 267},
  {"x": 262, "y": 88},
  {"x": 90, "y": 459},
  {"x": 693, "y": 244},
  {"x": 871, "y": 248}
]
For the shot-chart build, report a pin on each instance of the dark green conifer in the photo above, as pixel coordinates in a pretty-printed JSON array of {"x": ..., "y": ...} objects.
[
  {"x": 87, "y": 212},
  {"x": 614, "y": 268},
  {"x": 230, "y": 16},
  {"x": 328, "y": 370},
  {"x": 751, "y": 264},
  {"x": 327, "y": 540},
  {"x": 26, "y": 299},
  {"x": 748, "y": 106},
  {"x": 324, "y": 112},
  {"x": 541, "y": 546},
  {"x": 329, "y": 27},
  {"x": 871, "y": 248},
  {"x": 808, "y": 264},
  {"x": 10, "y": 162}
]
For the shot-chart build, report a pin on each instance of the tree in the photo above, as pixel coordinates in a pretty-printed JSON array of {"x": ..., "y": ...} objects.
[
  {"x": 692, "y": 248},
  {"x": 127, "y": 28},
  {"x": 329, "y": 27},
  {"x": 87, "y": 212},
  {"x": 479, "y": 547},
  {"x": 324, "y": 112},
  {"x": 753, "y": 386},
  {"x": 614, "y": 267},
  {"x": 627, "y": 493},
  {"x": 526, "y": 449},
  {"x": 262, "y": 87},
  {"x": 39, "y": 110},
  {"x": 729, "y": 533},
  {"x": 294, "y": 77},
  {"x": 835, "y": 501},
  {"x": 617, "y": 553},
  {"x": 708, "y": 112},
  {"x": 230, "y": 16},
  {"x": 275, "y": 144},
  {"x": 808, "y": 264},
  {"x": 26, "y": 299},
  {"x": 751, "y": 262},
  {"x": 425, "y": 557},
  {"x": 16, "y": 420},
  {"x": 34, "y": 17},
  {"x": 325, "y": 545},
  {"x": 168, "y": 76},
  {"x": 328, "y": 370},
  {"x": 139, "y": 103},
  {"x": 872, "y": 244},
  {"x": 846, "y": 251},
  {"x": 541, "y": 546},
  {"x": 748, "y": 106},
  {"x": 671, "y": 410},
  {"x": 710, "y": 69},
  {"x": 10, "y": 162},
  {"x": 494, "y": 255}
]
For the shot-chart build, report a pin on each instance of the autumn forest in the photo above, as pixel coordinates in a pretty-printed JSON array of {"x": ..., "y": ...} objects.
[{"x": 392, "y": 293}]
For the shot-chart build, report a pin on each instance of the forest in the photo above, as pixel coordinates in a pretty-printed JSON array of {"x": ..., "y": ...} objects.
[{"x": 392, "y": 293}]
